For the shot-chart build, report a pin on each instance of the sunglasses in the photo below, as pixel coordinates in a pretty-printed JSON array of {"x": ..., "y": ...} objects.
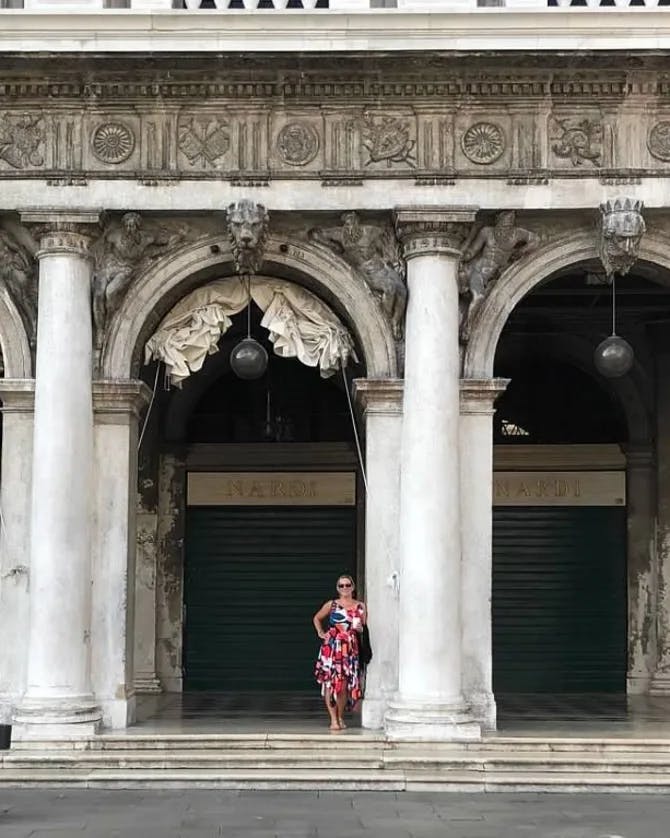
[{"x": 344, "y": 585}]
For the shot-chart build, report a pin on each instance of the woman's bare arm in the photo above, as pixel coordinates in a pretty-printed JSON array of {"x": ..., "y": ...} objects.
[{"x": 320, "y": 616}]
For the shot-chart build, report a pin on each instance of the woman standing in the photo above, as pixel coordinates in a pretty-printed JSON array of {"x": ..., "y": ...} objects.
[{"x": 338, "y": 665}]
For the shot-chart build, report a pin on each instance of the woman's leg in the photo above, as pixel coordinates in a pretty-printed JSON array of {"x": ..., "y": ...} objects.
[
  {"x": 341, "y": 704},
  {"x": 332, "y": 711}
]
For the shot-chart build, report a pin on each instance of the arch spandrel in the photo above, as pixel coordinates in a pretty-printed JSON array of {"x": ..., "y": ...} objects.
[
  {"x": 530, "y": 271},
  {"x": 168, "y": 279},
  {"x": 16, "y": 356}
]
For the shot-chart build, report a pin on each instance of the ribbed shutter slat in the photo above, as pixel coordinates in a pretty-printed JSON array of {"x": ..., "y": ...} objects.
[
  {"x": 253, "y": 578},
  {"x": 559, "y": 599}
]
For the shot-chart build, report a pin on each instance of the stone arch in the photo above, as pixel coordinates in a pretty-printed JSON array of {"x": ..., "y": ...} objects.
[
  {"x": 520, "y": 279},
  {"x": 14, "y": 342},
  {"x": 168, "y": 279}
]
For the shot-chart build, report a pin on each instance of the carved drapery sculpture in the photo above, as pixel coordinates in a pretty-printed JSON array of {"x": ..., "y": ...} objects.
[
  {"x": 373, "y": 252},
  {"x": 300, "y": 326},
  {"x": 121, "y": 249},
  {"x": 247, "y": 228},
  {"x": 488, "y": 250},
  {"x": 619, "y": 234},
  {"x": 18, "y": 273}
]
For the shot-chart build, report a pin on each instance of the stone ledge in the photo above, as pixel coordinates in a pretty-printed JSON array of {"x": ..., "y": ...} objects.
[{"x": 541, "y": 30}]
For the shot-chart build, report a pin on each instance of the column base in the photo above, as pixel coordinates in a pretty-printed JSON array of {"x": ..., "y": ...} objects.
[
  {"x": 483, "y": 709},
  {"x": 439, "y": 722},
  {"x": 660, "y": 684},
  {"x": 47, "y": 719},
  {"x": 372, "y": 713},
  {"x": 118, "y": 713}
]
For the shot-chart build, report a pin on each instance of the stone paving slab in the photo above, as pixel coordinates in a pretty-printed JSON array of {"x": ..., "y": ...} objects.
[{"x": 78, "y": 813}]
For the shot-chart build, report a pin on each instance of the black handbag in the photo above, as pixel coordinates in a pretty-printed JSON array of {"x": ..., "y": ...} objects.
[{"x": 365, "y": 647}]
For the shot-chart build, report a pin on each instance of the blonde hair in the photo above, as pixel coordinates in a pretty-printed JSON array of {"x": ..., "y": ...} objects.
[{"x": 346, "y": 576}]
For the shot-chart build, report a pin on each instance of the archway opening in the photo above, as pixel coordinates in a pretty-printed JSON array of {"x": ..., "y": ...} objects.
[
  {"x": 565, "y": 602},
  {"x": 259, "y": 495}
]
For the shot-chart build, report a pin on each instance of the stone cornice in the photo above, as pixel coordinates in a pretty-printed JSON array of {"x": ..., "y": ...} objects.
[
  {"x": 375, "y": 30},
  {"x": 116, "y": 402},
  {"x": 17, "y": 395},
  {"x": 379, "y": 395},
  {"x": 478, "y": 395}
]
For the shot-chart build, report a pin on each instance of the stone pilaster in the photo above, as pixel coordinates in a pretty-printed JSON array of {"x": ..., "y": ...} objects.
[
  {"x": 58, "y": 701},
  {"x": 429, "y": 703},
  {"x": 18, "y": 400},
  {"x": 476, "y": 450},
  {"x": 381, "y": 400},
  {"x": 117, "y": 407}
]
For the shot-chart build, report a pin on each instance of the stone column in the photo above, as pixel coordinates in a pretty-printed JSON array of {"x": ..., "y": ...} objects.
[
  {"x": 641, "y": 564},
  {"x": 58, "y": 701},
  {"x": 117, "y": 406},
  {"x": 18, "y": 398},
  {"x": 660, "y": 684},
  {"x": 429, "y": 703},
  {"x": 476, "y": 440},
  {"x": 381, "y": 399}
]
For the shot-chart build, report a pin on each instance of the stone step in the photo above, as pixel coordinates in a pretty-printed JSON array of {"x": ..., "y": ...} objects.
[{"x": 385, "y": 780}]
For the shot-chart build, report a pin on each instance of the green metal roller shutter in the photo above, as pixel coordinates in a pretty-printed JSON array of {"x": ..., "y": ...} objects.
[
  {"x": 559, "y": 599},
  {"x": 254, "y": 576}
]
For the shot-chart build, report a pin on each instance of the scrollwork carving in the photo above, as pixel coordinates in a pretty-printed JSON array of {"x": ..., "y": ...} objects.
[
  {"x": 387, "y": 139},
  {"x": 373, "y": 252},
  {"x": 620, "y": 232},
  {"x": 486, "y": 253},
  {"x": 121, "y": 249},
  {"x": 18, "y": 273},
  {"x": 579, "y": 142}
]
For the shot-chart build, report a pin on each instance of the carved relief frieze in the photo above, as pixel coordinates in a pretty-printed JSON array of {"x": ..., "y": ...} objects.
[
  {"x": 579, "y": 140},
  {"x": 125, "y": 245},
  {"x": 483, "y": 143},
  {"x": 22, "y": 140},
  {"x": 487, "y": 251},
  {"x": 203, "y": 141},
  {"x": 371, "y": 250},
  {"x": 388, "y": 140},
  {"x": 298, "y": 143},
  {"x": 112, "y": 142},
  {"x": 18, "y": 274},
  {"x": 658, "y": 141}
]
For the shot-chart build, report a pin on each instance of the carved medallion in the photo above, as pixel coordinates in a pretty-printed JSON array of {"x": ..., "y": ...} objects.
[
  {"x": 483, "y": 143},
  {"x": 22, "y": 138},
  {"x": 658, "y": 141},
  {"x": 112, "y": 142},
  {"x": 203, "y": 141},
  {"x": 387, "y": 139},
  {"x": 297, "y": 143}
]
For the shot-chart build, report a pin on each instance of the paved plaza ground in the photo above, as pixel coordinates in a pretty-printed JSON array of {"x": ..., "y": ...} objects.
[{"x": 206, "y": 814}]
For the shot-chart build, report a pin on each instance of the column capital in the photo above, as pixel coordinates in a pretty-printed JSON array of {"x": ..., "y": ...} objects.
[
  {"x": 63, "y": 232},
  {"x": 17, "y": 395},
  {"x": 117, "y": 402},
  {"x": 430, "y": 230},
  {"x": 379, "y": 395},
  {"x": 478, "y": 395}
]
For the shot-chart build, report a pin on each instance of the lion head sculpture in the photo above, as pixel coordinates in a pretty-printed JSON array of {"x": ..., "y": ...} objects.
[
  {"x": 621, "y": 229},
  {"x": 247, "y": 228}
]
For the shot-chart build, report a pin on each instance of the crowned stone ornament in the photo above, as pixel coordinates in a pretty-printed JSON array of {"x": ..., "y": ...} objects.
[
  {"x": 620, "y": 233},
  {"x": 247, "y": 227}
]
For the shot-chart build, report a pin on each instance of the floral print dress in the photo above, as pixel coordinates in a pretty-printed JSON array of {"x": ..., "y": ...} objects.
[{"x": 338, "y": 666}]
